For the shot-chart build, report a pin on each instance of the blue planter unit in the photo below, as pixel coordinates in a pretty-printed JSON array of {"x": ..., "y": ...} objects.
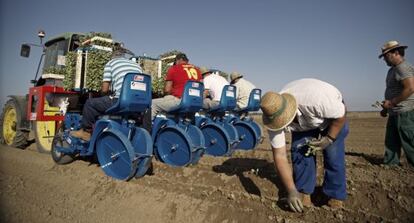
[
  {"x": 177, "y": 141},
  {"x": 250, "y": 133},
  {"x": 178, "y": 138},
  {"x": 221, "y": 137},
  {"x": 124, "y": 149}
]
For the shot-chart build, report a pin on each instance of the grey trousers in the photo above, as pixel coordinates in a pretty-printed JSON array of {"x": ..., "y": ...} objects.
[
  {"x": 209, "y": 104},
  {"x": 399, "y": 133},
  {"x": 165, "y": 104}
]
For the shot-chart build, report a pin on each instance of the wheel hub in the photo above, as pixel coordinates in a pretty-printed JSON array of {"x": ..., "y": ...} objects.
[{"x": 9, "y": 126}]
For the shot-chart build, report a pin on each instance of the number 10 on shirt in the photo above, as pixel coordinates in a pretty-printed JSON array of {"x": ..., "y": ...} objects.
[{"x": 191, "y": 73}]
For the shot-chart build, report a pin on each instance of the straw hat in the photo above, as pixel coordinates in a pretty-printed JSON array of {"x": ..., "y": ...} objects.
[
  {"x": 390, "y": 45},
  {"x": 204, "y": 70},
  {"x": 279, "y": 110},
  {"x": 235, "y": 75}
]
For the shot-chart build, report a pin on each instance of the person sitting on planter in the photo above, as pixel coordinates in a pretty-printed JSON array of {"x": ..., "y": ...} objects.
[
  {"x": 243, "y": 88},
  {"x": 113, "y": 77},
  {"x": 177, "y": 77},
  {"x": 213, "y": 87}
]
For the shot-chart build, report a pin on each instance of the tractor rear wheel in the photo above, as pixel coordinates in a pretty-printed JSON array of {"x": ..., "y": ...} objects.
[
  {"x": 44, "y": 132},
  {"x": 10, "y": 122}
]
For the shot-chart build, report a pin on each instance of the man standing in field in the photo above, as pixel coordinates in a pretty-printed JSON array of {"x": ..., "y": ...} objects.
[
  {"x": 399, "y": 104},
  {"x": 314, "y": 112}
]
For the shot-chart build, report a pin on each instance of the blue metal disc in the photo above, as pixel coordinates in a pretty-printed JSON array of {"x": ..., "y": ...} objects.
[
  {"x": 173, "y": 147},
  {"x": 231, "y": 131},
  {"x": 197, "y": 141},
  {"x": 247, "y": 135},
  {"x": 142, "y": 143},
  {"x": 217, "y": 140},
  {"x": 257, "y": 129},
  {"x": 114, "y": 155}
]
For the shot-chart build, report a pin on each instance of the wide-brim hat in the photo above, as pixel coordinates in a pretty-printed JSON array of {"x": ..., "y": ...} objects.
[
  {"x": 390, "y": 45},
  {"x": 279, "y": 110},
  {"x": 204, "y": 70},
  {"x": 235, "y": 75}
]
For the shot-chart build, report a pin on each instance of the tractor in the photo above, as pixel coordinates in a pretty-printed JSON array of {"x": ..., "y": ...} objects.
[
  {"x": 34, "y": 116},
  {"x": 72, "y": 73},
  {"x": 37, "y": 115}
]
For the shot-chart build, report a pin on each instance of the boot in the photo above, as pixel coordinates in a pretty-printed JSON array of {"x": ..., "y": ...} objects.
[
  {"x": 81, "y": 134},
  {"x": 335, "y": 204},
  {"x": 306, "y": 200}
]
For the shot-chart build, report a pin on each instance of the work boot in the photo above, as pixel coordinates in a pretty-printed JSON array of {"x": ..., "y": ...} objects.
[
  {"x": 306, "y": 200},
  {"x": 335, "y": 204},
  {"x": 81, "y": 134}
]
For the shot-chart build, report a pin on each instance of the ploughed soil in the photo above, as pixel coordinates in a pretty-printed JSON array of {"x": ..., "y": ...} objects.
[{"x": 241, "y": 188}]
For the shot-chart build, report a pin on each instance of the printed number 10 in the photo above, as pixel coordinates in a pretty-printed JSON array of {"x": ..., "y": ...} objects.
[{"x": 191, "y": 73}]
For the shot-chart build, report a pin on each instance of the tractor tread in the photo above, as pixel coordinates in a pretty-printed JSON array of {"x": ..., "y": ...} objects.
[{"x": 20, "y": 140}]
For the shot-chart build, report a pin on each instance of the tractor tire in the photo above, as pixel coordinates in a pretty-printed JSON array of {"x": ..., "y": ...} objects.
[
  {"x": 10, "y": 122},
  {"x": 59, "y": 157},
  {"x": 44, "y": 132}
]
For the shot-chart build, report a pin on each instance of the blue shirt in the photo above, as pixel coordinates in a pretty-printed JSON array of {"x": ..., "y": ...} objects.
[{"x": 115, "y": 71}]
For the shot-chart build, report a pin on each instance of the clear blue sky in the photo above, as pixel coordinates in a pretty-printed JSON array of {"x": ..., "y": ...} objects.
[{"x": 270, "y": 42}]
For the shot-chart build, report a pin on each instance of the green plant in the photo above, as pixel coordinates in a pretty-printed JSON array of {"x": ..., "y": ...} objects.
[
  {"x": 97, "y": 42},
  {"x": 53, "y": 70},
  {"x": 95, "y": 62},
  {"x": 70, "y": 70}
]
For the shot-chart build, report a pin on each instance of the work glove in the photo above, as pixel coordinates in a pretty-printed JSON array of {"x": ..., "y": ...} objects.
[
  {"x": 294, "y": 201},
  {"x": 318, "y": 144}
]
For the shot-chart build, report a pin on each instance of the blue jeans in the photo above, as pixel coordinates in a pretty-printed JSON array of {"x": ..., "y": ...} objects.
[
  {"x": 93, "y": 108},
  {"x": 304, "y": 168}
]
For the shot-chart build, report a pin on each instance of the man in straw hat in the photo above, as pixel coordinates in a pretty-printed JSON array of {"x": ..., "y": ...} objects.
[
  {"x": 243, "y": 88},
  {"x": 399, "y": 104},
  {"x": 213, "y": 85},
  {"x": 314, "y": 112}
]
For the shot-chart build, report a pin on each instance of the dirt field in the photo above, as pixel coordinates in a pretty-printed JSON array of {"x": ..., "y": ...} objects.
[{"x": 242, "y": 188}]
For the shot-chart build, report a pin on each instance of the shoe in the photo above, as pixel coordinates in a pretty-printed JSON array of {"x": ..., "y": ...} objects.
[
  {"x": 335, "y": 204},
  {"x": 306, "y": 200},
  {"x": 81, "y": 134}
]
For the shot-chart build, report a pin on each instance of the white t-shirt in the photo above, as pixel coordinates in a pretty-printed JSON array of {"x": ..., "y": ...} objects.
[
  {"x": 215, "y": 83},
  {"x": 317, "y": 102}
]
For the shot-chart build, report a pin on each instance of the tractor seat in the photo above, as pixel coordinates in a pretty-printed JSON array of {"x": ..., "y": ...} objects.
[
  {"x": 135, "y": 95},
  {"x": 254, "y": 101},
  {"x": 227, "y": 100},
  {"x": 192, "y": 99}
]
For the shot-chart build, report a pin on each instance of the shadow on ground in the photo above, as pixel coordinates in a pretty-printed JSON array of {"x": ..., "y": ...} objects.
[
  {"x": 371, "y": 158},
  {"x": 261, "y": 168}
]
